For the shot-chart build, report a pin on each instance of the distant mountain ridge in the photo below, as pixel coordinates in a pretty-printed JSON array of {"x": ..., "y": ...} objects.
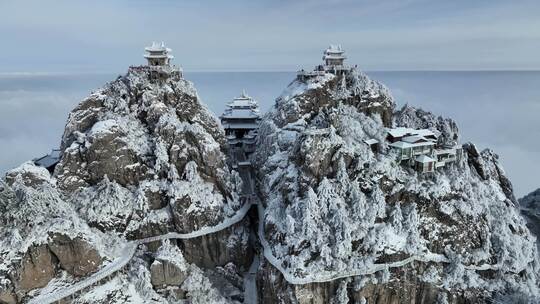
[{"x": 530, "y": 208}]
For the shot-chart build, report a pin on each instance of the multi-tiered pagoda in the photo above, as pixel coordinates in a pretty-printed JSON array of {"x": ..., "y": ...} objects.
[{"x": 241, "y": 120}]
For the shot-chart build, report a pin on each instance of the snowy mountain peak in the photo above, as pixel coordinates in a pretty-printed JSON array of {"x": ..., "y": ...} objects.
[
  {"x": 322, "y": 90},
  {"x": 340, "y": 212},
  {"x": 141, "y": 157}
]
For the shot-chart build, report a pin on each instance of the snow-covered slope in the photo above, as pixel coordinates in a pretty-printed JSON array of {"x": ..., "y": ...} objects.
[
  {"x": 141, "y": 157},
  {"x": 334, "y": 208},
  {"x": 145, "y": 145}
]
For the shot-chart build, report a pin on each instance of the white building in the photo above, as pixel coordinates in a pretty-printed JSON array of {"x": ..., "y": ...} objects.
[
  {"x": 158, "y": 54},
  {"x": 334, "y": 56},
  {"x": 413, "y": 146},
  {"x": 419, "y": 149},
  {"x": 241, "y": 120}
]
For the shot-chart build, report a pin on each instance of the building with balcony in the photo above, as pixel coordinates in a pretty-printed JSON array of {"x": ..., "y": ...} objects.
[{"x": 419, "y": 149}]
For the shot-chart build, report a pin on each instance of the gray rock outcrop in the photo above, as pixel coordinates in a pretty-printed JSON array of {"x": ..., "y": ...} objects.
[
  {"x": 166, "y": 273},
  {"x": 75, "y": 256},
  {"x": 37, "y": 268},
  {"x": 230, "y": 245},
  {"x": 487, "y": 166}
]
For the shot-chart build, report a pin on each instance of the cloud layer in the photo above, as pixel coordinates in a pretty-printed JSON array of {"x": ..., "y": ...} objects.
[{"x": 493, "y": 109}]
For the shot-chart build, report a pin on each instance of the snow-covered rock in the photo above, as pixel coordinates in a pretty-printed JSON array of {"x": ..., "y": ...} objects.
[
  {"x": 140, "y": 157},
  {"x": 41, "y": 233},
  {"x": 137, "y": 137},
  {"x": 335, "y": 209},
  {"x": 169, "y": 266}
]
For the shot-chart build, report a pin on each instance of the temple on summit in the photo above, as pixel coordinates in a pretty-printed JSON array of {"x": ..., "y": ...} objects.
[
  {"x": 333, "y": 62},
  {"x": 333, "y": 56},
  {"x": 158, "y": 54},
  {"x": 159, "y": 67}
]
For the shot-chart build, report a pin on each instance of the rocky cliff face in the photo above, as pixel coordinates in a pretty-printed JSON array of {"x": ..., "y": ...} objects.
[
  {"x": 146, "y": 144},
  {"x": 140, "y": 157},
  {"x": 335, "y": 208},
  {"x": 42, "y": 234}
]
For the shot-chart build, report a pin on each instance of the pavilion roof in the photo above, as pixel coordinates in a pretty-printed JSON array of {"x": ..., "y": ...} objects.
[{"x": 403, "y": 131}]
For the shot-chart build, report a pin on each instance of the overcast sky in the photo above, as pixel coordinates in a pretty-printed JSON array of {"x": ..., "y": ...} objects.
[{"x": 107, "y": 36}]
